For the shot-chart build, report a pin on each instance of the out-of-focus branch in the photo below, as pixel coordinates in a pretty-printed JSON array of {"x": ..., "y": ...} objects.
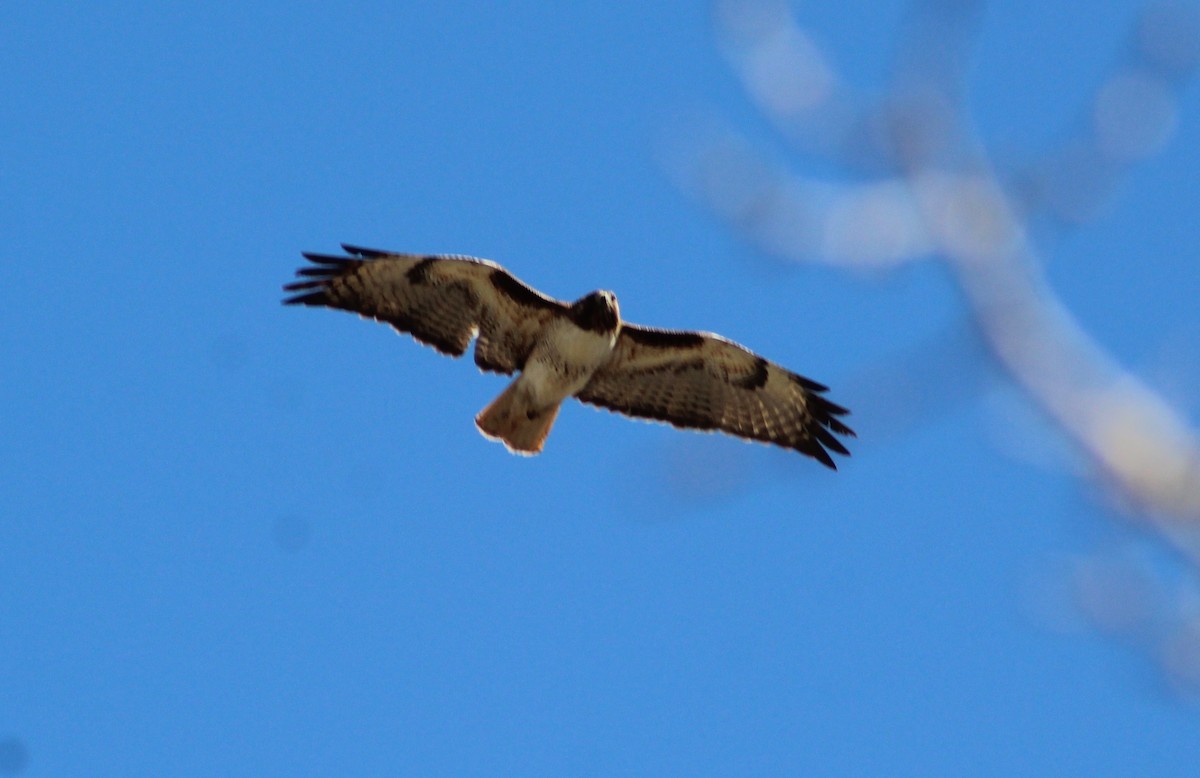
[
  {"x": 873, "y": 224},
  {"x": 920, "y": 184},
  {"x": 1131, "y": 116},
  {"x": 785, "y": 73},
  {"x": 1146, "y": 449},
  {"x": 948, "y": 202}
]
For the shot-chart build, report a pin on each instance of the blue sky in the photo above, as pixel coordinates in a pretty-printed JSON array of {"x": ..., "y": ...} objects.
[{"x": 243, "y": 539}]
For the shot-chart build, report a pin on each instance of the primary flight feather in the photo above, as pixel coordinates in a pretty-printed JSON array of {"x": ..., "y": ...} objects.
[{"x": 695, "y": 380}]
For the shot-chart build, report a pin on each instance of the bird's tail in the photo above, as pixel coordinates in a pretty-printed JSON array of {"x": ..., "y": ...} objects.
[{"x": 511, "y": 418}]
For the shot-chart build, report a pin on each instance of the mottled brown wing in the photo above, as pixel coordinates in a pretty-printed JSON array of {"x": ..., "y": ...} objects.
[
  {"x": 442, "y": 301},
  {"x": 702, "y": 381}
]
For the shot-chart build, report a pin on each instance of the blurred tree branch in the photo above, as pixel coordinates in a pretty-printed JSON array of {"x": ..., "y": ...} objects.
[{"x": 920, "y": 185}]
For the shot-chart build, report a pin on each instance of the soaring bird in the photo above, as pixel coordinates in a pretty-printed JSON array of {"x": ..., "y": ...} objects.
[{"x": 694, "y": 380}]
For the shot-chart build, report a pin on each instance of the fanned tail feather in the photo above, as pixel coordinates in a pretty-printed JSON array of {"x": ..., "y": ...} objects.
[{"x": 511, "y": 419}]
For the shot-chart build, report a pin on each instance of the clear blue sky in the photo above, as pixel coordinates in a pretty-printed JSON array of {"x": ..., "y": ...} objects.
[{"x": 243, "y": 539}]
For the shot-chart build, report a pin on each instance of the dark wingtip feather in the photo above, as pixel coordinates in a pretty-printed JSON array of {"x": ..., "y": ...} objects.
[
  {"x": 324, "y": 269},
  {"x": 829, "y": 441},
  {"x": 365, "y": 253},
  {"x": 840, "y": 428},
  {"x": 826, "y": 425},
  {"x": 833, "y": 408},
  {"x": 296, "y": 286},
  {"x": 325, "y": 259},
  {"x": 808, "y": 383},
  {"x": 314, "y": 271},
  {"x": 312, "y": 298},
  {"x": 814, "y": 449}
]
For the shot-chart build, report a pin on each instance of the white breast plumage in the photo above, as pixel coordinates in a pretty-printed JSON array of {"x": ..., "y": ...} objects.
[{"x": 564, "y": 361}]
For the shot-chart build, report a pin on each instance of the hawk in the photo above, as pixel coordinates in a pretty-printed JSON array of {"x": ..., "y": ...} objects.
[{"x": 695, "y": 380}]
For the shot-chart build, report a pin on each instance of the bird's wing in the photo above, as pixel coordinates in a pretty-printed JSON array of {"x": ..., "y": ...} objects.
[
  {"x": 442, "y": 301},
  {"x": 702, "y": 381}
]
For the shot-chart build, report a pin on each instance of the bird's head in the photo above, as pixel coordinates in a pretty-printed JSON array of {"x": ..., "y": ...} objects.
[{"x": 596, "y": 312}]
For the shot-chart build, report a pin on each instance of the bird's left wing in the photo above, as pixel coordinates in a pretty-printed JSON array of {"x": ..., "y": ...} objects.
[
  {"x": 442, "y": 301},
  {"x": 702, "y": 381}
]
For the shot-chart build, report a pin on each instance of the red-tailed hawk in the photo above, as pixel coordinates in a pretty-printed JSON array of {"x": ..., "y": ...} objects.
[{"x": 696, "y": 380}]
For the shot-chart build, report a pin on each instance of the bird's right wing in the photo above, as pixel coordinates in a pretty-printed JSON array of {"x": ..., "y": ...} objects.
[{"x": 442, "y": 301}]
